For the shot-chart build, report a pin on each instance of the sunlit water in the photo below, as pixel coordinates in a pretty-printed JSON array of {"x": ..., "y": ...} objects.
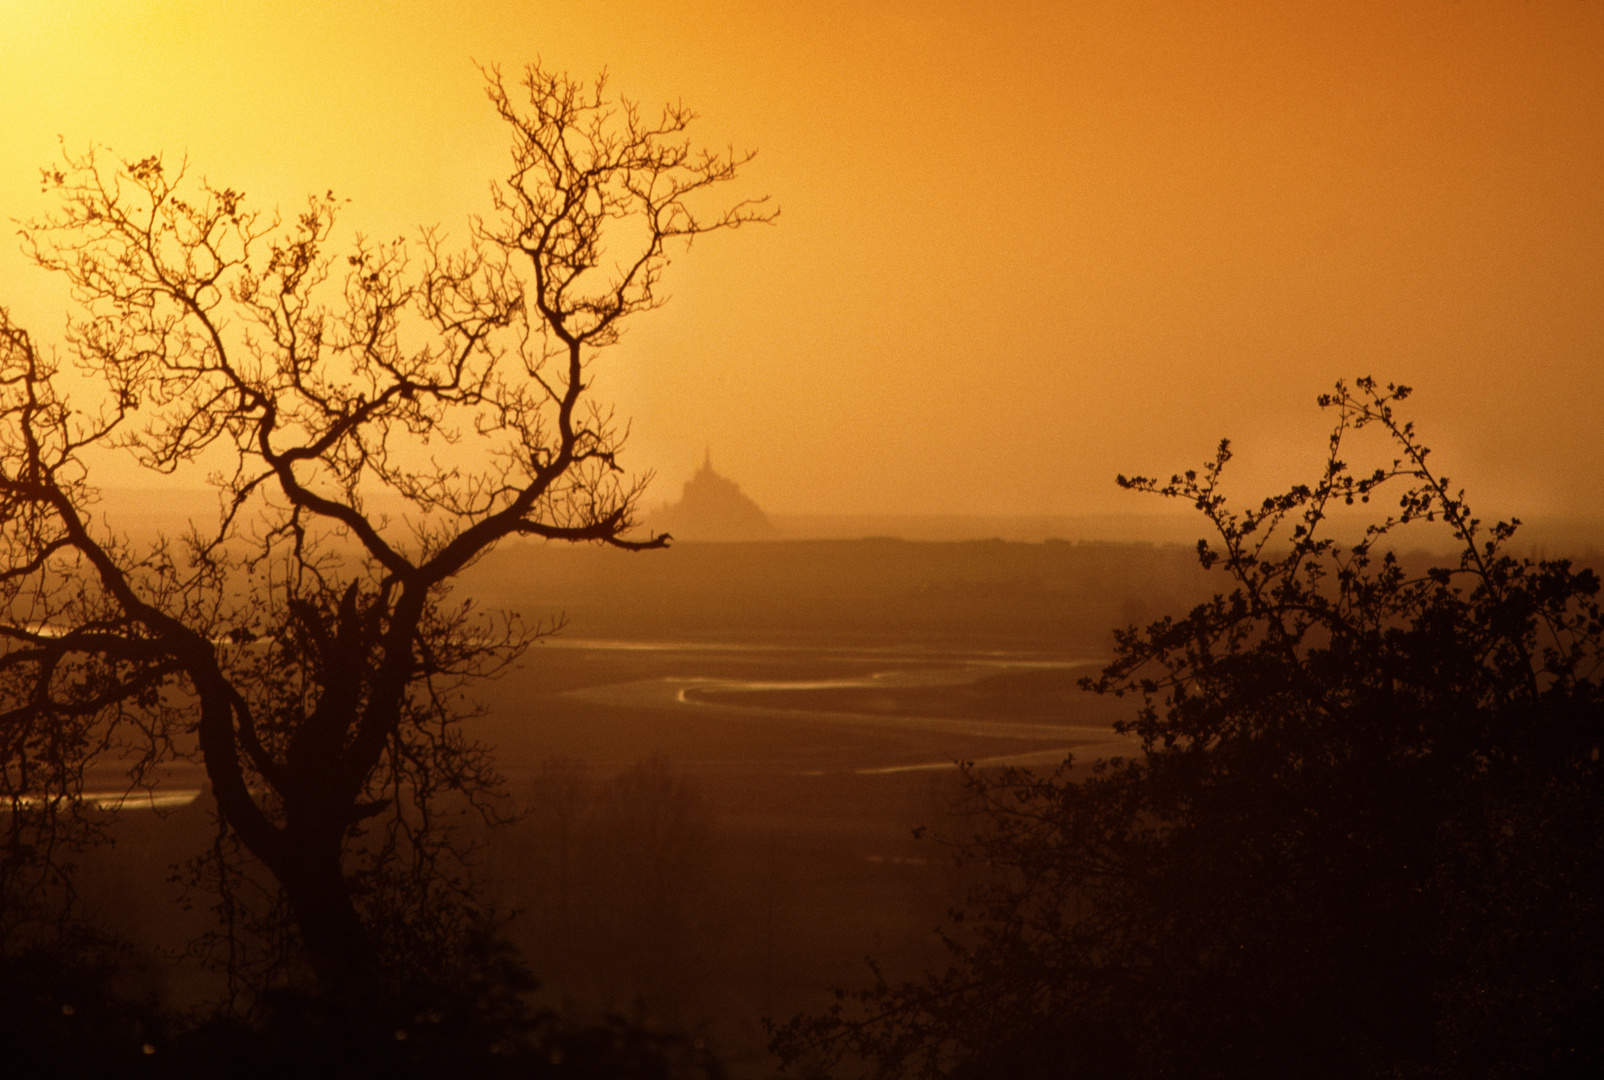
[{"x": 690, "y": 692}]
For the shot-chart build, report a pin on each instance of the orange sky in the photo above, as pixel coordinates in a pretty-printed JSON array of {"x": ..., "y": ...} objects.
[{"x": 1022, "y": 247}]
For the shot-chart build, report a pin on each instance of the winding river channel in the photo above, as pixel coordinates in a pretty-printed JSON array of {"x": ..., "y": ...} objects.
[
  {"x": 693, "y": 681},
  {"x": 742, "y": 699}
]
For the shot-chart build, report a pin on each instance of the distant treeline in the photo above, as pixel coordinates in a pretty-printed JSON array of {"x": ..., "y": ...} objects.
[{"x": 1055, "y": 596}]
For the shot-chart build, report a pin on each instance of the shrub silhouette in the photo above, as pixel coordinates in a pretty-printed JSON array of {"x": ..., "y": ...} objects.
[{"x": 1364, "y": 837}]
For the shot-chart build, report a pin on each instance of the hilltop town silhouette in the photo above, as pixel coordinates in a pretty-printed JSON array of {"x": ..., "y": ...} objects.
[{"x": 713, "y": 507}]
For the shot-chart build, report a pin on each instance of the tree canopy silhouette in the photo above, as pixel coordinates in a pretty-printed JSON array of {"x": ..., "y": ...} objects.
[
  {"x": 373, "y": 416},
  {"x": 1365, "y": 835}
]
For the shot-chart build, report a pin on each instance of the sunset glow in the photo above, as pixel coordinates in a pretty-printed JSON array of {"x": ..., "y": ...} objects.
[{"x": 1019, "y": 251}]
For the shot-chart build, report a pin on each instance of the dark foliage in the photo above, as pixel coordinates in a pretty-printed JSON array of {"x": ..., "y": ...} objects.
[
  {"x": 63, "y": 1012},
  {"x": 64, "y": 1016},
  {"x": 477, "y": 1028},
  {"x": 1364, "y": 838}
]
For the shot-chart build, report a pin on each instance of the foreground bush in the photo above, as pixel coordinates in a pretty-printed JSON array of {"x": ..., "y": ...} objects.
[{"x": 1365, "y": 835}]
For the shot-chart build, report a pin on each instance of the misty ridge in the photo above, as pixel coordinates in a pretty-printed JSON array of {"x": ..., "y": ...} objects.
[{"x": 378, "y": 760}]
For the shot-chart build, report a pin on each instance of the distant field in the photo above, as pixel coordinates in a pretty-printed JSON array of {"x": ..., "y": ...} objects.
[
  {"x": 723, "y": 832},
  {"x": 798, "y": 708}
]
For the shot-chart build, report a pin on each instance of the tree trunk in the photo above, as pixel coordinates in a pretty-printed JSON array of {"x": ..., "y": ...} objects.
[{"x": 337, "y": 944}]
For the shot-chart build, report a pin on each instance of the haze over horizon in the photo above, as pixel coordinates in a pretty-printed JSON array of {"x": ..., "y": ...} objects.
[{"x": 1019, "y": 251}]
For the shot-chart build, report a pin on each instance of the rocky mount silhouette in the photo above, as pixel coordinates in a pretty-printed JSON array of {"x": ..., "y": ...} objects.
[{"x": 712, "y": 507}]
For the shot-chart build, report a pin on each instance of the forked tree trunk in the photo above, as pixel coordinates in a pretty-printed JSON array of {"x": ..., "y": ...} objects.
[{"x": 303, "y": 854}]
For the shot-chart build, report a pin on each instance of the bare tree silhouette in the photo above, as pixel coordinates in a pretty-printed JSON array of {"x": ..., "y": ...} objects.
[{"x": 372, "y": 419}]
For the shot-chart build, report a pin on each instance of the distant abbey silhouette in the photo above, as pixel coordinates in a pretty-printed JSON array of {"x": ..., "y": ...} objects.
[{"x": 713, "y": 507}]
